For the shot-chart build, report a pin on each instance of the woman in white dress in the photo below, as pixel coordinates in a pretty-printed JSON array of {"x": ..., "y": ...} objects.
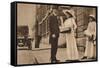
[
  {"x": 90, "y": 33},
  {"x": 71, "y": 50}
]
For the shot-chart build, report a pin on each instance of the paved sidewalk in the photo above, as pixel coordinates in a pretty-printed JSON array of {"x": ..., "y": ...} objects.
[{"x": 42, "y": 56}]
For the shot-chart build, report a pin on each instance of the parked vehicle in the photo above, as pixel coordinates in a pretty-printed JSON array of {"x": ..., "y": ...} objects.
[{"x": 23, "y": 38}]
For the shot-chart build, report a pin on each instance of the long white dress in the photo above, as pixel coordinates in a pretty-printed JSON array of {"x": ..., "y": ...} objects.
[
  {"x": 91, "y": 30},
  {"x": 71, "y": 50}
]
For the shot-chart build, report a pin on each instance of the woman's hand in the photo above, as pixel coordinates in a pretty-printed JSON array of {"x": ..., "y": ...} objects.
[{"x": 90, "y": 37}]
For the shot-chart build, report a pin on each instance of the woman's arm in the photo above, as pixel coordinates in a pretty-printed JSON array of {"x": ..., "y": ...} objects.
[
  {"x": 61, "y": 19},
  {"x": 94, "y": 30},
  {"x": 74, "y": 23},
  {"x": 64, "y": 11}
]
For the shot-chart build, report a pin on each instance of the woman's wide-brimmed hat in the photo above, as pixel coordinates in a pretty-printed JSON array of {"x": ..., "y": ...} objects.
[
  {"x": 69, "y": 11},
  {"x": 91, "y": 15}
]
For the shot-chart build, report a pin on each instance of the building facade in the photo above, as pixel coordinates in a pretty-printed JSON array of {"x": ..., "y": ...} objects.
[{"x": 81, "y": 14}]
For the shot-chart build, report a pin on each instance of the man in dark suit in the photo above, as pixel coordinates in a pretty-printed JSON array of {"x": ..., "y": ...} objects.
[{"x": 54, "y": 34}]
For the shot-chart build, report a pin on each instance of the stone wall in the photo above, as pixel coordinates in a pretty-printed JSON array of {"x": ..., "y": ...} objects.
[{"x": 81, "y": 14}]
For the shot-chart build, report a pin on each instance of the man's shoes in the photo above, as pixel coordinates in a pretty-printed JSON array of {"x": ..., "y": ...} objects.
[{"x": 55, "y": 61}]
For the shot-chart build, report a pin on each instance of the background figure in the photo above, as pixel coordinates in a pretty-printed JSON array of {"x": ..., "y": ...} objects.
[
  {"x": 54, "y": 34},
  {"x": 71, "y": 50},
  {"x": 90, "y": 38}
]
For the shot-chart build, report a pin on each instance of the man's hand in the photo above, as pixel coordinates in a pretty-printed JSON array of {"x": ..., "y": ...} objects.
[{"x": 53, "y": 35}]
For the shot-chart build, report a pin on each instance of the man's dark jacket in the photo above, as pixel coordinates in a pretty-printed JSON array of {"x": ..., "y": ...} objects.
[{"x": 53, "y": 27}]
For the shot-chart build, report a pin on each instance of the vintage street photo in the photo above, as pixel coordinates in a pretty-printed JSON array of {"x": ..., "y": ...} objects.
[{"x": 50, "y": 33}]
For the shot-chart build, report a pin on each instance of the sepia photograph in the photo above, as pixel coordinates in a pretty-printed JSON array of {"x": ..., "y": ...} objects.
[{"x": 55, "y": 33}]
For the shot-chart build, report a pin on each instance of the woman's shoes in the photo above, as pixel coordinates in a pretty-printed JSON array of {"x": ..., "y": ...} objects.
[
  {"x": 76, "y": 60},
  {"x": 92, "y": 58},
  {"x": 72, "y": 60},
  {"x": 85, "y": 57},
  {"x": 68, "y": 60}
]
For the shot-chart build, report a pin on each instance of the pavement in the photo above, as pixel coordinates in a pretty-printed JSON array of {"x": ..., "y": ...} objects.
[{"x": 42, "y": 56}]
